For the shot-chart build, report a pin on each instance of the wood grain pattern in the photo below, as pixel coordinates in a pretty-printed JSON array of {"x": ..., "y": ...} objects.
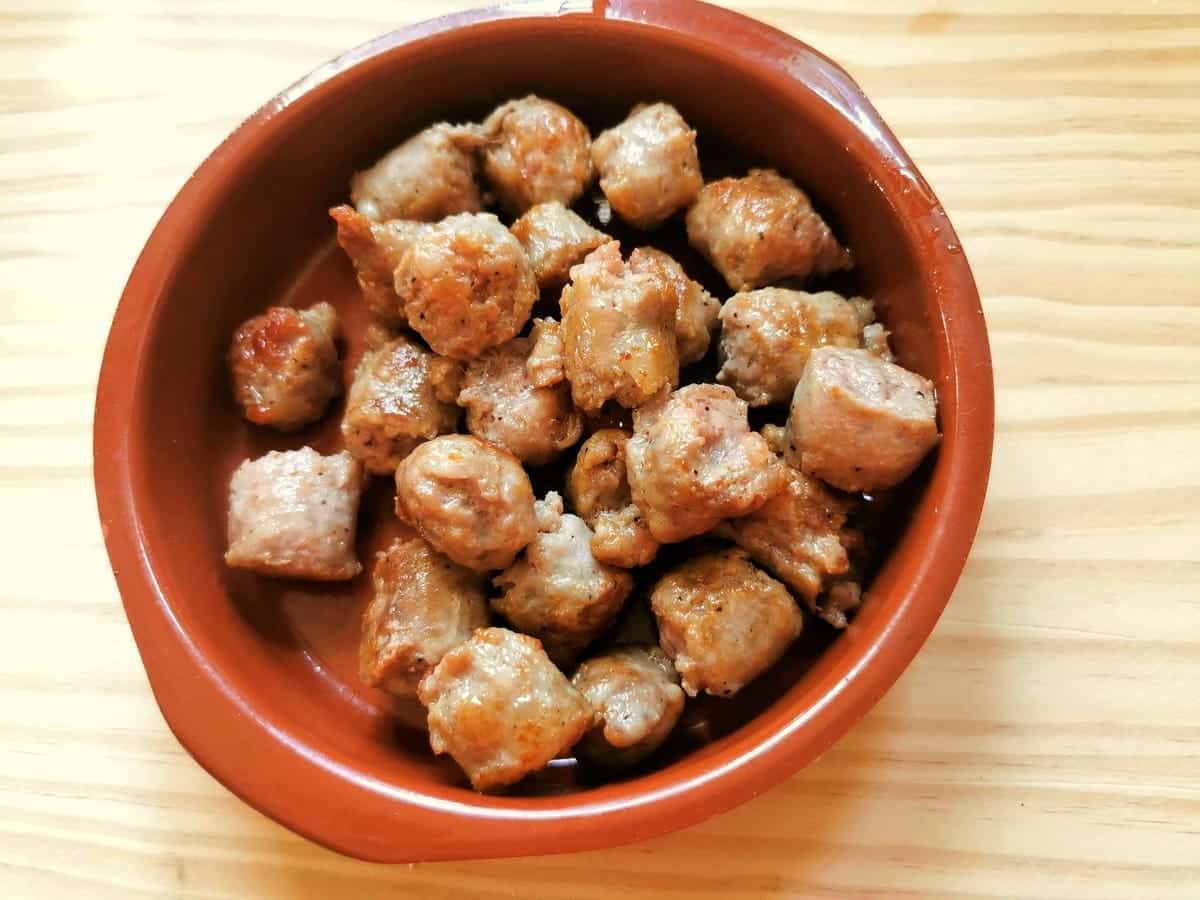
[{"x": 1046, "y": 743}]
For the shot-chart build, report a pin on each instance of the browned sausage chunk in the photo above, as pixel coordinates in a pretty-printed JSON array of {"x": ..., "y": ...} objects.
[
  {"x": 375, "y": 249},
  {"x": 693, "y": 461},
  {"x": 536, "y": 151},
  {"x": 401, "y": 395},
  {"x": 860, "y": 422},
  {"x": 424, "y": 604},
  {"x": 428, "y": 177},
  {"x": 696, "y": 309},
  {"x": 555, "y": 239},
  {"x": 466, "y": 285},
  {"x": 501, "y": 708},
  {"x": 471, "y": 500},
  {"x": 648, "y": 165},
  {"x": 618, "y": 329},
  {"x": 760, "y": 229},
  {"x": 800, "y": 537},
  {"x": 598, "y": 489},
  {"x": 292, "y": 513},
  {"x": 504, "y": 406},
  {"x": 767, "y": 335},
  {"x": 723, "y": 622},
  {"x": 285, "y": 366},
  {"x": 557, "y": 591},
  {"x": 637, "y": 700},
  {"x": 545, "y": 366}
]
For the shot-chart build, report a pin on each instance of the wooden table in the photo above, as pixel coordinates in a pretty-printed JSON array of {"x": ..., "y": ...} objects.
[{"x": 1046, "y": 742}]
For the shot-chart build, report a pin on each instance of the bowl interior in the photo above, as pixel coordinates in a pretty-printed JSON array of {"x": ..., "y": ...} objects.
[{"x": 265, "y": 238}]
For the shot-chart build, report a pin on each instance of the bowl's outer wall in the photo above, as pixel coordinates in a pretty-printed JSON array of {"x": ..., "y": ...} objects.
[{"x": 254, "y": 711}]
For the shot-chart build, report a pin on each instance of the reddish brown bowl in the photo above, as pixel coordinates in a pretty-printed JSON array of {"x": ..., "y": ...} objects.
[{"x": 255, "y": 677}]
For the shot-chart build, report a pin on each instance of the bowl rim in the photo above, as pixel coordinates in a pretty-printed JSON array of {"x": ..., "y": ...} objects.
[{"x": 376, "y": 821}]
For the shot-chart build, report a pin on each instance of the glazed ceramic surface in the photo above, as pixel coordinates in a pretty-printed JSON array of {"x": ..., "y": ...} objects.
[{"x": 257, "y": 677}]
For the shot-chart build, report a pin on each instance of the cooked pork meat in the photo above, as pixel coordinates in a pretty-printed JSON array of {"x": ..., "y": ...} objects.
[
  {"x": 292, "y": 513},
  {"x": 860, "y": 422},
  {"x": 285, "y": 367},
  {"x": 424, "y": 604},
  {"x": 471, "y": 500},
  {"x": 536, "y": 151},
  {"x": 618, "y": 329},
  {"x": 693, "y": 461},
  {"x": 428, "y": 177},
  {"x": 501, "y": 708},
  {"x": 760, "y": 229},
  {"x": 465, "y": 285},
  {"x": 648, "y": 165}
]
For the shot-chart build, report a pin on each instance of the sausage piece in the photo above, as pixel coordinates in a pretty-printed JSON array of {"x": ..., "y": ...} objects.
[
  {"x": 557, "y": 591},
  {"x": 800, "y": 536},
  {"x": 466, "y": 285},
  {"x": 648, "y": 165},
  {"x": 375, "y": 249},
  {"x": 760, "y": 229},
  {"x": 723, "y": 622},
  {"x": 618, "y": 330},
  {"x": 292, "y": 513},
  {"x": 504, "y": 406},
  {"x": 768, "y": 334},
  {"x": 428, "y": 177},
  {"x": 536, "y": 151},
  {"x": 471, "y": 500},
  {"x": 424, "y": 604},
  {"x": 860, "y": 422},
  {"x": 555, "y": 239},
  {"x": 637, "y": 700},
  {"x": 545, "y": 366},
  {"x": 501, "y": 708},
  {"x": 285, "y": 367},
  {"x": 598, "y": 489},
  {"x": 401, "y": 396},
  {"x": 696, "y": 309},
  {"x": 693, "y": 461}
]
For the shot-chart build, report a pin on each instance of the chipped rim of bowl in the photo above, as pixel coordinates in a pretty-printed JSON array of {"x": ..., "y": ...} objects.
[{"x": 341, "y": 807}]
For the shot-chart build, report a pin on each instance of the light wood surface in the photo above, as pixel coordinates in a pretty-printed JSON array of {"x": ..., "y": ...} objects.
[{"x": 1045, "y": 743}]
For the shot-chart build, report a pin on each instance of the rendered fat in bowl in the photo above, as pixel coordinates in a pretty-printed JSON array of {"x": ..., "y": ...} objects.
[{"x": 231, "y": 662}]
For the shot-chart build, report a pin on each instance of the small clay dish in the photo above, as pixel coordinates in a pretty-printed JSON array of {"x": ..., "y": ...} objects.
[{"x": 256, "y": 676}]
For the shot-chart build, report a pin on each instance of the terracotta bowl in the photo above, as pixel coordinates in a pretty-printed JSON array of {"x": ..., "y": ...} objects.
[{"x": 256, "y": 677}]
